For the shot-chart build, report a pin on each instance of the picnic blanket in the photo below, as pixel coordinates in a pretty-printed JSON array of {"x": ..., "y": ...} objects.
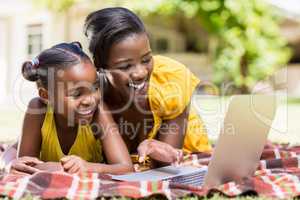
[{"x": 278, "y": 176}]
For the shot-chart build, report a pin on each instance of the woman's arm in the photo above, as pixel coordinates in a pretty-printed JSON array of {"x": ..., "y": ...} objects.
[
  {"x": 173, "y": 131},
  {"x": 167, "y": 147}
]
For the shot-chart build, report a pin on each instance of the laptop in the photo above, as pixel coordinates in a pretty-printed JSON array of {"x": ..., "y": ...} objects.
[{"x": 237, "y": 153}]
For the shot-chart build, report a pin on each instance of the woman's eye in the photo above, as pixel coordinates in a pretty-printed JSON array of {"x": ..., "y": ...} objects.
[
  {"x": 146, "y": 61},
  {"x": 96, "y": 86}
]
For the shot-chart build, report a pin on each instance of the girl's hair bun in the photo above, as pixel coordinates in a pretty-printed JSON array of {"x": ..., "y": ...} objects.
[
  {"x": 77, "y": 44},
  {"x": 29, "y": 70}
]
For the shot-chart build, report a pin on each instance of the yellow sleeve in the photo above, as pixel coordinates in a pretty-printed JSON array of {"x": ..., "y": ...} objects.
[{"x": 172, "y": 86}]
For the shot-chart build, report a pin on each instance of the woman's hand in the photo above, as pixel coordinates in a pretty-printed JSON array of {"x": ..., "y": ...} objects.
[
  {"x": 159, "y": 151},
  {"x": 24, "y": 165},
  {"x": 73, "y": 164}
]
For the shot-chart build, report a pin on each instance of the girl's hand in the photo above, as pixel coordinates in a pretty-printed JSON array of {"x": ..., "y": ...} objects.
[
  {"x": 73, "y": 164},
  {"x": 159, "y": 151},
  {"x": 24, "y": 165},
  {"x": 50, "y": 167}
]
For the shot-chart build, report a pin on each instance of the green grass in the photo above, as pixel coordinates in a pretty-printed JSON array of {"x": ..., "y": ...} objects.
[
  {"x": 294, "y": 100},
  {"x": 287, "y": 120}
]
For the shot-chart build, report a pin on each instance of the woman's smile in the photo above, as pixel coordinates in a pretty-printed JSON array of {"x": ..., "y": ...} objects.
[{"x": 87, "y": 112}]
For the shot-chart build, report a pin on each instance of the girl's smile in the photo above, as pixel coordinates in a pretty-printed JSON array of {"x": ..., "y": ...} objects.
[{"x": 81, "y": 96}]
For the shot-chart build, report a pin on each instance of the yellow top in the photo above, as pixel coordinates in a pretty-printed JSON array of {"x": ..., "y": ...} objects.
[
  {"x": 170, "y": 90},
  {"x": 85, "y": 145}
]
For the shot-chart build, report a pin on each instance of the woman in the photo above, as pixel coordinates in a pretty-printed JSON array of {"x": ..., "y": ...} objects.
[{"x": 149, "y": 96}]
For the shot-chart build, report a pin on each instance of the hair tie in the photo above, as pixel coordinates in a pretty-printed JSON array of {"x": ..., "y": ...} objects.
[
  {"x": 77, "y": 44},
  {"x": 35, "y": 62}
]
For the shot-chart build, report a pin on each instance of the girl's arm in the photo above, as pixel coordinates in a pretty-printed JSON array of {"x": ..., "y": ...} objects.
[
  {"x": 31, "y": 138},
  {"x": 115, "y": 150},
  {"x": 28, "y": 147}
]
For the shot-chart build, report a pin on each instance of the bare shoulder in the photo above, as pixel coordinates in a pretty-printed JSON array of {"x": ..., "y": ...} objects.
[
  {"x": 36, "y": 103},
  {"x": 36, "y": 109},
  {"x": 34, "y": 118}
]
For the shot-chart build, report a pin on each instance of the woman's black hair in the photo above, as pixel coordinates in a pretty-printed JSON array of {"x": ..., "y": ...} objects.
[
  {"x": 57, "y": 57},
  {"x": 108, "y": 26}
]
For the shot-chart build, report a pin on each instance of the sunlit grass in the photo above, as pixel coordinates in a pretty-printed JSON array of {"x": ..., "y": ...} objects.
[{"x": 11, "y": 123}]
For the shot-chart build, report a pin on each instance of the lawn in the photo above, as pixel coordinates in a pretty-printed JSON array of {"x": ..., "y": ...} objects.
[
  {"x": 285, "y": 125},
  {"x": 285, "y": 129}
]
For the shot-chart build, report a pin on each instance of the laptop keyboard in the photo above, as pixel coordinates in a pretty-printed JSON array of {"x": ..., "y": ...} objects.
[
  {"x": 187, "y": 175},
  {"x": 194, "y": 179}
]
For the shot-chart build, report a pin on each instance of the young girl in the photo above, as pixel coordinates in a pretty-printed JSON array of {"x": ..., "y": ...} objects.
[
  {"x": 68, "y": 126},
  {"x": 150, "y": 93}
]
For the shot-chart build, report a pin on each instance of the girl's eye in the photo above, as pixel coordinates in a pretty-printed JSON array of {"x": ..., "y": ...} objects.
[
  {"x": 75, "y": 95},
  {"x": 125, "y": 67}
]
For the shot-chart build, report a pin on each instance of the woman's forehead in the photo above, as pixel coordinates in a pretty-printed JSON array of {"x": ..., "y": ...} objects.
[{"x": 137, "y": 44}]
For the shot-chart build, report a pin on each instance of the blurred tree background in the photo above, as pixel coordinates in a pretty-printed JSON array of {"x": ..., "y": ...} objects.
[{"x": 245, "y": 45}]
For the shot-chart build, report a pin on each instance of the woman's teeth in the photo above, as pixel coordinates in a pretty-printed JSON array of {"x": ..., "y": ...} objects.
[
  {"x": 137, "y": 86},
  {"x": 85, "y": 112}
]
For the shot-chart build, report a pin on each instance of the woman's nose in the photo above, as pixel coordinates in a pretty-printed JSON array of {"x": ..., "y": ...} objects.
[
  {"x": 139, "y": 73},
  {"x": 88, "y": 100}
]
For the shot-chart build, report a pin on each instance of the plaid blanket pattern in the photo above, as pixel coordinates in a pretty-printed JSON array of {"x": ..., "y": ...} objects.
[{"x": 278, "y": 176}]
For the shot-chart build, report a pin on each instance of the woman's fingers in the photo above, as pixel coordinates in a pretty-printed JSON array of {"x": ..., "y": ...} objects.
[
  {"x": 142, "y": 149},
  {"x": 160, "y": 151},
  {"x": 179, "y": 157},
  {"x": 145, "y": 149},
  {"x": 174, "y": 154},
  {"x": 149, "y": 150}
]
